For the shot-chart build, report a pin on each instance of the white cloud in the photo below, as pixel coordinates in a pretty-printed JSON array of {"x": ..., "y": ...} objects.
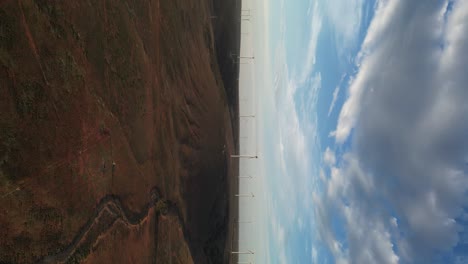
[
  {"x": 461, "y": 260},
  {"x": 279, "y": 235},
  {"x": 403, "y": 183},
  {"x": 309, "y": 98},
  {"x": 323, "y": 208},
  {"x": 300, "y": 223},
  {"x": 384, "y": 14},
  {"x": 329, "y": 157},
  {"x": 290, "y": 179},
  {"x": 333, "y": 102},
  {"x": 293, "y": 134},
  {"x": 349, "y": 197},
  {"x": 322, "y": 176},
  {"x": 315, "y": 28},
  {"x": 314, "y": 255},
  {"x": 345, "y": 17},
  {"x": 369, "y": 239}
]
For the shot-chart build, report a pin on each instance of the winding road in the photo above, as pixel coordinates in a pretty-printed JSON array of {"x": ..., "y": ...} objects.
[{"x": 108, "y": 211}]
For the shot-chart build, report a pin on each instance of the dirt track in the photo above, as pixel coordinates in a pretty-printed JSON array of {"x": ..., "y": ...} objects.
[{"x": 108, "y": 211}]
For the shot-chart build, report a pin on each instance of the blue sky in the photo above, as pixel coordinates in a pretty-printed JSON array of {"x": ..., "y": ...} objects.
[{"x": 363, "y": 124}]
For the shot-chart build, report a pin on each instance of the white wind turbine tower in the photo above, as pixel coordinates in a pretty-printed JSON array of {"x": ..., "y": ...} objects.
[
  {"x": 246, "y": 14},
  {"x": 251, "y": 58},
  {"x": 245, "y": 156},
  {"x": 233, "y": 56},
  {"x": 249, "y": 61},
  {"x": 246, "y": 57},
  {"x": 245, "y": 261},
  {"x": 248, "y": 195},
  {"x": 246, "y": 252},
  {"x": 243, "y": 222}
]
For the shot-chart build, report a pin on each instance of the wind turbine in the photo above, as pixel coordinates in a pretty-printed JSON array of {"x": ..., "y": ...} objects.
[
  {"x": 245, "y": 12},
  {"x": 251, "y": 57},
  {"x": 245, "y": 19},
  {"x": 243, "y": 222},
  {"x": 239, "y": 57},
  {"x": 247, "y": 252},
  {"x": 245, "y": 195},
  {"x": 245, "y": 156},
  {"x": 246, "y": 57}
]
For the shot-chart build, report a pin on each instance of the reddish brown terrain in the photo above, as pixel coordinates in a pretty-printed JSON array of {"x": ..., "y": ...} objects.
[{"x": 117, "y": 118}]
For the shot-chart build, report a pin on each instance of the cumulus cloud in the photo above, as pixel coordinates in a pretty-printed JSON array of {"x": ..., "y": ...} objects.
[
  {"x": 384, "y": 15},
  {"x": 401, "y": 188},
  {"x": 324, "y": 208}
]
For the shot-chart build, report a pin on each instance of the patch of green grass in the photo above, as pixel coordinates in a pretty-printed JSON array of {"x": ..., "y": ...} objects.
[
  {"x": 63, "y": 67},
  {"x": 66, "y": 76},
  {"x": 130, "y": 9},
  {"x": 5, "y": 58},
  {"x": 8, "y": 36},
  {"x": 29, "y": 94},
  {"x": 140, "y": 8},
  {"x": 45, "y": 214},
  {"x": 75, "y": 33},
  {"x": 162, "y": 207},
  {"x": 55, "y": 15},
  {"x": 69, "y": 71},
  {"x": 80, "y": 255},
  {"x": 124, "y": 61},
  {"x": 7, "y": 30},
  {"x": 9, "y": 147}
]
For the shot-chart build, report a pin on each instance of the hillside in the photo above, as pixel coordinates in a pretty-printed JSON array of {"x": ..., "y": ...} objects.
[{"x": 113, "y": 120}]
